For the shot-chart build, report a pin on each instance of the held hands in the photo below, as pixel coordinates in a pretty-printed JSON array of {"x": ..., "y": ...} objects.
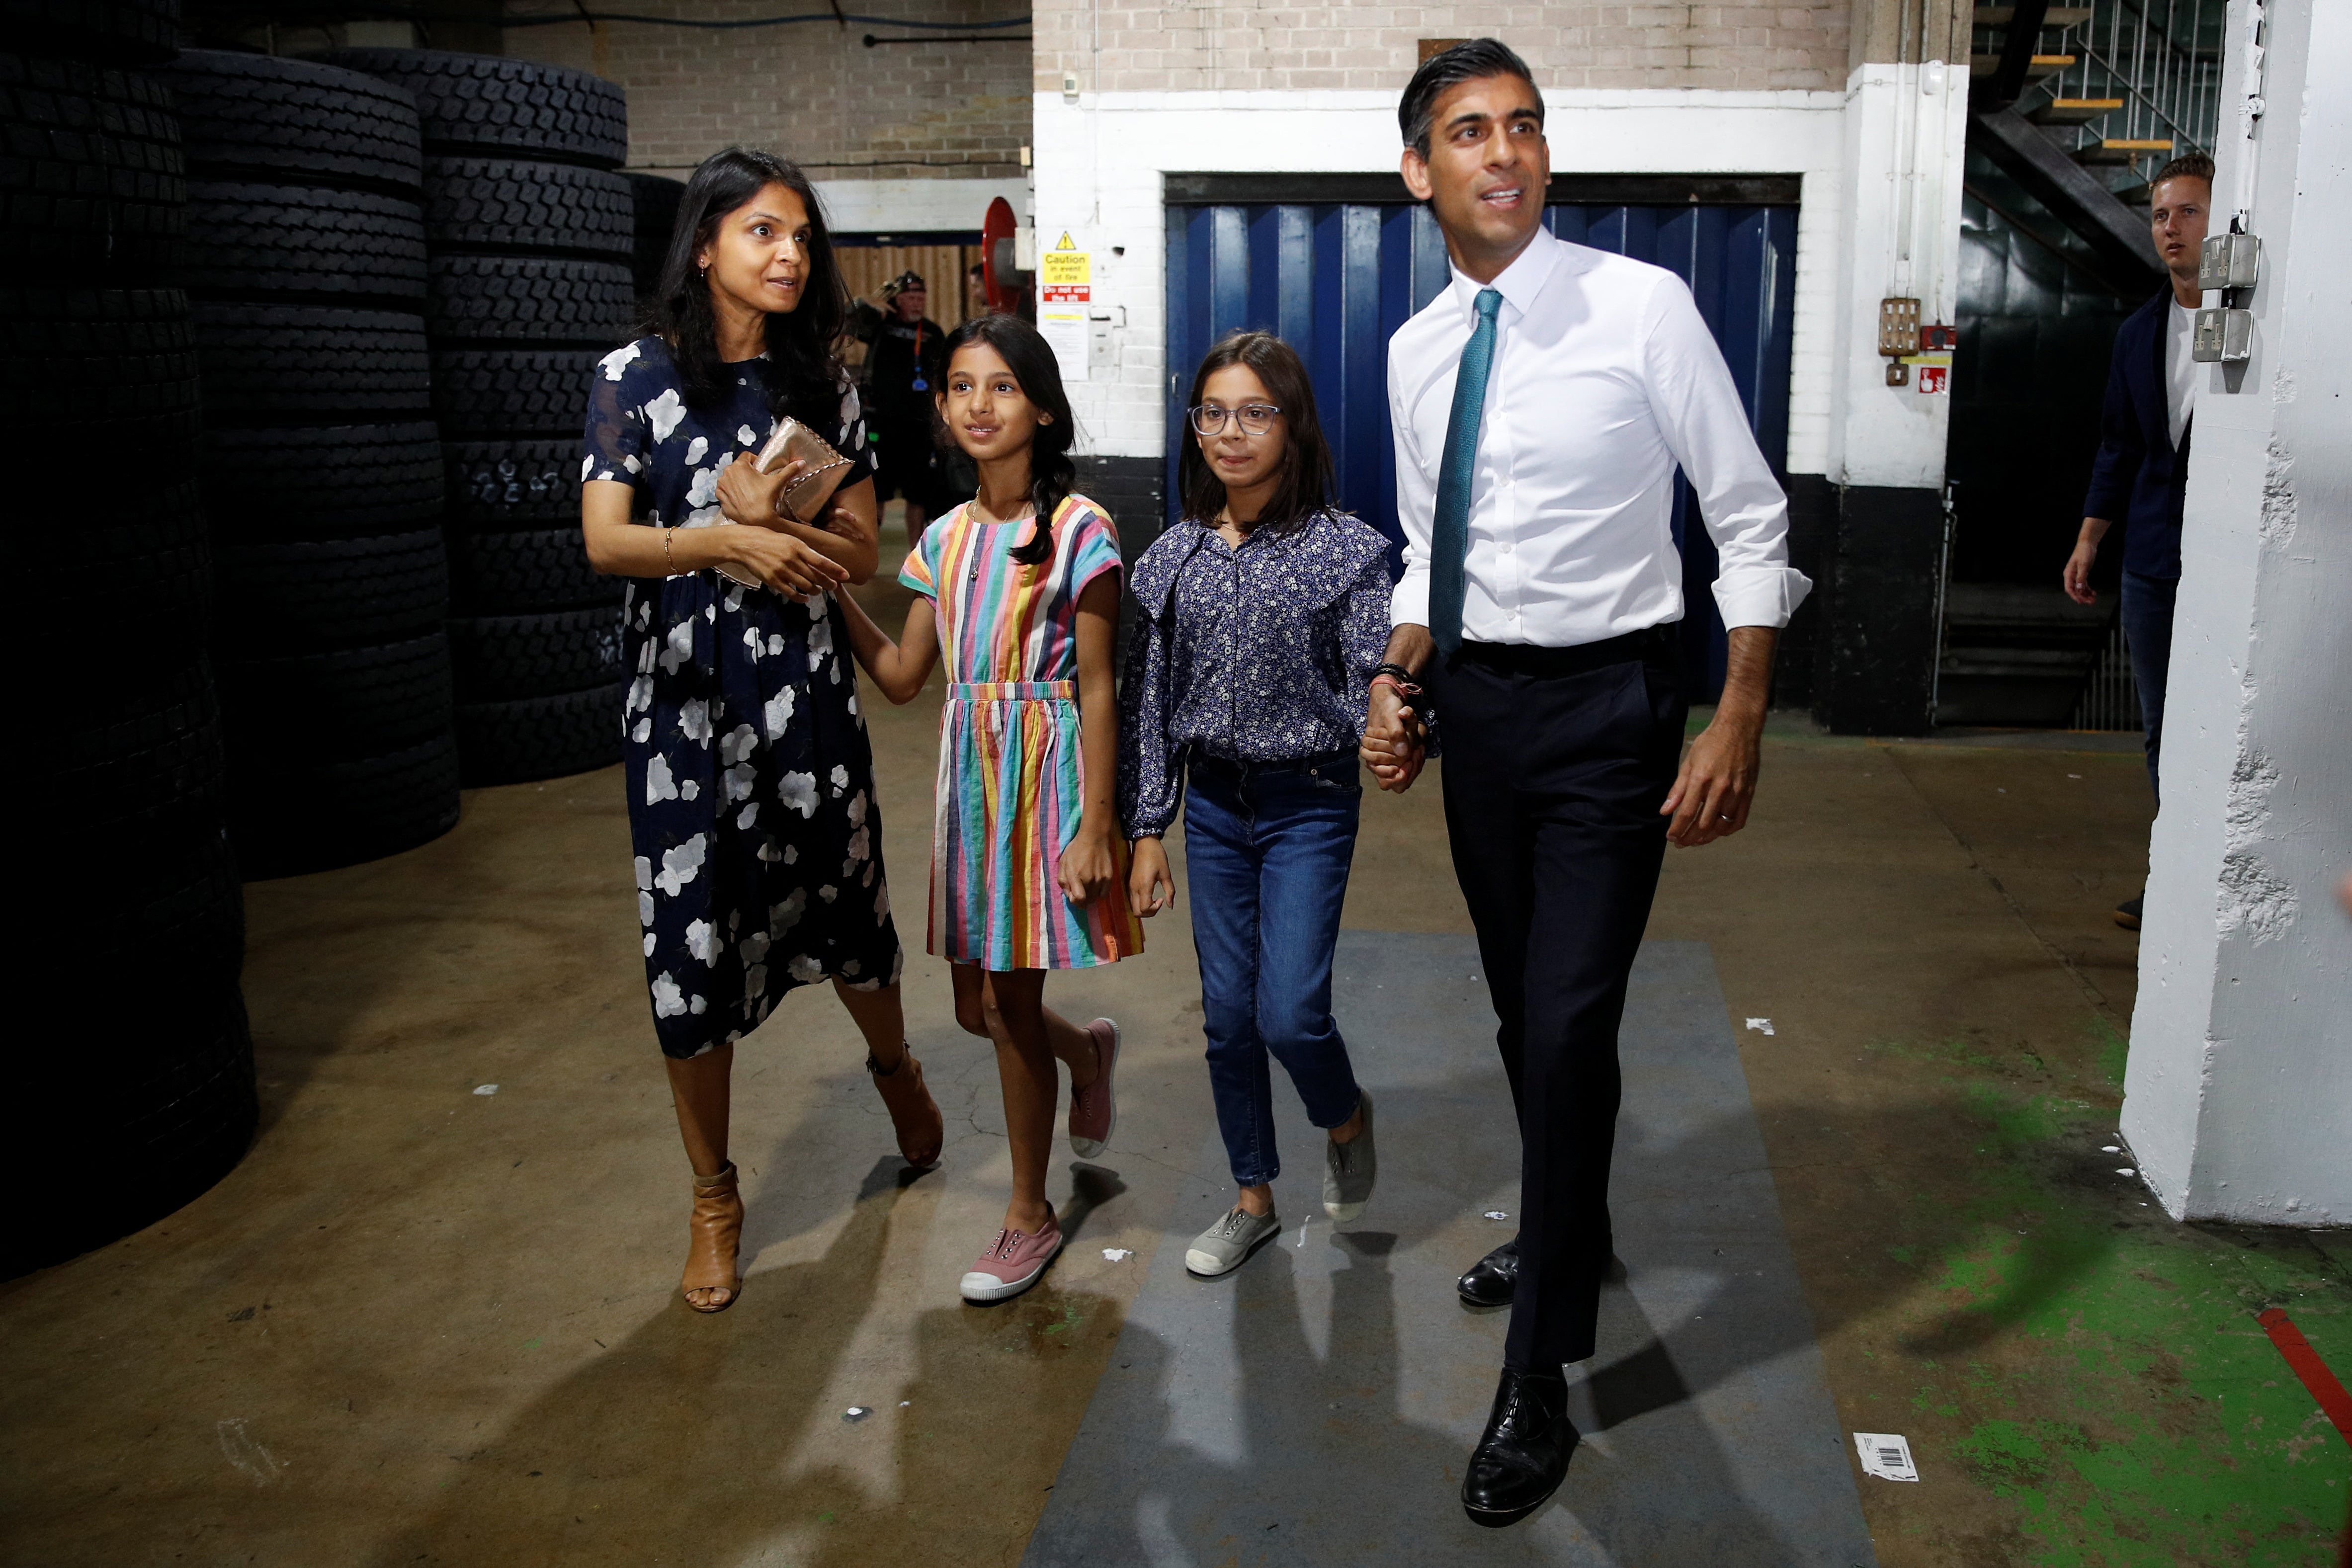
[
  {"x": 1395, "y": 745},
  {"x": 782, "y": 562},
  {"x": 1717, "y": 780},
  {"x": 1150, "y": 887},
  {"x": 1088, "y": 867}
]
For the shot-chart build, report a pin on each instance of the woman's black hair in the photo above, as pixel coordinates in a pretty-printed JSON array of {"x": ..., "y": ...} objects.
[
  {"x": 1305, "y": 487},
  {"x": 1052, "y": 475},
  {"x": 804, "y": 373}
]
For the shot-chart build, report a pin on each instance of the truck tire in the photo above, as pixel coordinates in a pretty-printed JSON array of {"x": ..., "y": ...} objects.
[
  {"x": 657, "y": 198},
  {"x": 541, "y": 738},
  {"x": 148, "y": 761},
  {"x": 313, "y": 594},
  {"x": 91, "y": 179},
  {"x": 511, "y": 391},
  {"x": 326, "y": 482},
  {"x": 110, "y": 32},
  {"x": 250, "y": 240},
  {"x": 528, "y": 299},
  {"x": 506, "y": 658},
  {"x": 311, "y": 365},
  {"x": 295, "y": 122},
  {"x": 116, "y": 364},
  {"x": 492, "y": 103},
  {"x": 288, "y": 710},
  {"x": 529, "y": 482},
  {"x": 530, "y": 571},
  {"x": 498, "y": 206},
  {"x": 320, "y": 815}
]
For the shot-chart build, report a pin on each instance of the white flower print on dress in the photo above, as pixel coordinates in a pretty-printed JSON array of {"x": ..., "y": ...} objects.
[
  {"x": 700, "y": 939},
  {"x": 806, "y": 969},
  {"x": 612, "y": 364},
  {"x": 659, "y": 785},
  {"x": 695, "y": 448},
  {"x": 668, "y": 1001},
  {"x": 783, "y": 916},
  {"x": 840, "y": 780},
  {"x": 662, "y": 413},
  {"x": 690, "y": 790},
  {"x": 680, "y": 864},
  {"x": 746, "y": 437},
  {"x": 798, "y": 790},
  {"x": 820, "y": 639},
  {"x": 741, "y": 780},
  {"x": 677, "y": 648},
  {"x": 694, "y": 720},
  {"x": 778, "y": 713},
  {"x": 704, "y": 489},
  {"x": 644, "y": 871}
]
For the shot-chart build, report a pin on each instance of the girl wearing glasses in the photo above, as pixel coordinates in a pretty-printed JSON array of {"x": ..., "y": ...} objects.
[{"x": 1266, "y": 612}]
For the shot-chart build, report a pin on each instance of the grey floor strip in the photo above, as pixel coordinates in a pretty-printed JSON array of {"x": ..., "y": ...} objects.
[{"x": 1315, "y": 1405}]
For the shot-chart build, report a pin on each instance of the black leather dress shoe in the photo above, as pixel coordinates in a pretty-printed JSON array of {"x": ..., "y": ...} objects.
[
  {"x": 1492, "y": 1279},
  {"x": 1523, "y": 1457}
]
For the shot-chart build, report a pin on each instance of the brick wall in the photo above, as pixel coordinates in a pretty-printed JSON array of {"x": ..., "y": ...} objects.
[
  {"x": 1224, "y": 46},
  {"x": 813, "y": 92}
]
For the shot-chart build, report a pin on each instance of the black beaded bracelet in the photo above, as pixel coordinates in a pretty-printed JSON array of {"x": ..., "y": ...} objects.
[{"x": 1403, "y": 676}]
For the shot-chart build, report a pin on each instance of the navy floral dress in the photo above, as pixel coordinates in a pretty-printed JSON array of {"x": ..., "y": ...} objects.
[{"x": 750, "y": 780}]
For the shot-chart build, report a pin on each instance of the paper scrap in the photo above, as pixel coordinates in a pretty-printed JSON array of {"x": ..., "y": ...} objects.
[
  {"x": 2125, "y": 1170},
  {"x": 1117, "y": 1254},
  {"x": 486, "y": 1088},
  {"x": 1499, "y": 1214},
  {"x": 856, "y": 1413},
  {"x": 904, "y": 1402},
  {"x": 1761, "y": 1026},
  {"x": 1887, "y": 1455},
  {"x": 2111, "y": 1148}
]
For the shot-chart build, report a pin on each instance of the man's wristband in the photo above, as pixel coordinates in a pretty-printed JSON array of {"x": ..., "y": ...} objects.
[{"x": 1398, "y": 676}]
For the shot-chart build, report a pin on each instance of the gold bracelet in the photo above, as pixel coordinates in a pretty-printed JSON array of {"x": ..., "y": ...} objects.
[{"x": 667, "y": 560}]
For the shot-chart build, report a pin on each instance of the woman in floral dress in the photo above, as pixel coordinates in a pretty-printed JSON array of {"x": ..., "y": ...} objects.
[{"x": 750, "y": 778}]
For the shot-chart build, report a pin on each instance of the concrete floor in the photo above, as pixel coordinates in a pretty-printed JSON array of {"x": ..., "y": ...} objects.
[{"x": 426, "y": 1323}]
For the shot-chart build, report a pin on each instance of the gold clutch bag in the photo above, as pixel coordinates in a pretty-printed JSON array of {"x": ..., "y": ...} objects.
[{"x": 803, "y": 500}]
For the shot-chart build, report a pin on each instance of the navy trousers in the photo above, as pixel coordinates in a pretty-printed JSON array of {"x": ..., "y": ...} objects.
[
  {"x": 2148, "y": 636},
  {"x": 1556, "y": 762}
]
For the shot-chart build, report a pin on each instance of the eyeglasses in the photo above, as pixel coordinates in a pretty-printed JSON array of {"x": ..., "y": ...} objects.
[{"x": 1257, "y": 418}]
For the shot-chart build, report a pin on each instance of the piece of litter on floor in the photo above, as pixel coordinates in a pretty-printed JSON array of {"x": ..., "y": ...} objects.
[
  {"x": 1887, "y": 1455},
  {"x": 2074, "y": 776},
  {"x": 1117, "y": 1254},
  {"x": 1761, "y": 1026},
  {"x": 1499, "y": 1214},
  {"x": 1303, "y": 1227},
  {"x": 856, "y": 1413},
  {"x": 2125, "y": 1170},
  {"x": 904, "y": 1402},
  {"x": 486, "y": 1088},
  {"x": 2111, "y": 1148}
]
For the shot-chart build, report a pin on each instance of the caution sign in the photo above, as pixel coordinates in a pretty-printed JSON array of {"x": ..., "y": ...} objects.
[{"x": 1066, "y": 275}]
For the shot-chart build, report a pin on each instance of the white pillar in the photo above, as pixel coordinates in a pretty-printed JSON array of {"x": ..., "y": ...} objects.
[{"x": 2238, "y": 1096}]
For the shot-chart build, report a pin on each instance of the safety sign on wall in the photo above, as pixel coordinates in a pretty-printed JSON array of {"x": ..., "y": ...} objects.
[{"x": 1065, "y": 289}]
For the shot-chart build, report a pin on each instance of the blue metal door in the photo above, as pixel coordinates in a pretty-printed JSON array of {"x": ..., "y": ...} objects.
[{"x": 1336, "y": 280}]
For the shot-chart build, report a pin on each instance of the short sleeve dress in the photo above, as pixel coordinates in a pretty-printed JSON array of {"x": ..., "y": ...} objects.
[
  {"x": 1011, "y": 779},
  {"x": 751, "y": 779}
]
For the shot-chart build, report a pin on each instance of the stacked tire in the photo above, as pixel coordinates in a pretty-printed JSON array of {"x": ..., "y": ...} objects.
[
  {"x": 530, "y": 234},
  {"x": 320, "y": 459},
  {"x": 143, "y": 1106}
]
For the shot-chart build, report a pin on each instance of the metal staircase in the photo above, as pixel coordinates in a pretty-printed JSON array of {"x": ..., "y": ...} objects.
[{"x": 2081, "y": 104}]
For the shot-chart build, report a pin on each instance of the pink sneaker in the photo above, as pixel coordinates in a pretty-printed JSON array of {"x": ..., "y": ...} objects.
[
  {"x": 1094, "y": 1110},
  {"x": 1012, "y": 1263}
]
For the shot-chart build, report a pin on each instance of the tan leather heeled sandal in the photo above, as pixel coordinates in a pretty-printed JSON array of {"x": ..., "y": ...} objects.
[
  {"x": 715, "y": 1236},
  {"x": 914, "y": 1114}
]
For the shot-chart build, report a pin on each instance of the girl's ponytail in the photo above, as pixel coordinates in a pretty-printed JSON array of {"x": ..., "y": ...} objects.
[{"x": 1052, "y": 475}]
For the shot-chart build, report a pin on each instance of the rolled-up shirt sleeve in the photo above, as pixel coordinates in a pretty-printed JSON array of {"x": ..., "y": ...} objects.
[
  {"x": 1416, "y": 513},
  {"x": 1698, "y": 410}
]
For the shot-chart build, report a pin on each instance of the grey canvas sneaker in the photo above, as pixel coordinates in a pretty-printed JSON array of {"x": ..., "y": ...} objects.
[
  {"x": 1349, "y": 1169},
  {"x": 1226, "y": 1245}
]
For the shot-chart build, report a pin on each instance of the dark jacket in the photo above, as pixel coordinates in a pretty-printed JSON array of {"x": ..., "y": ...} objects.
[{"x": 2138, "y": 479}]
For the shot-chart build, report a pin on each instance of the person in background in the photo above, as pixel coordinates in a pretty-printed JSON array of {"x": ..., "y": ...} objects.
[
  {"x": 2142, "y": 471},
  {"x": 975, "y": 291},
  {"x": 1541, "y": 404},
  {"x": 903, "y": 367},
  {"x": 1264, "y": 612}
]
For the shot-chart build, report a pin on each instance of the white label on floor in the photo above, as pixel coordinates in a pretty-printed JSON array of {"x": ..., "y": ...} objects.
[{"x": 1887, "y": 1455}]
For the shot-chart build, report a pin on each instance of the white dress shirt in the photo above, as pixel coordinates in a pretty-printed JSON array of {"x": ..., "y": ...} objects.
[
  {"x": 1604, "y": 380},
  {"x": 2180, "y": 370}
]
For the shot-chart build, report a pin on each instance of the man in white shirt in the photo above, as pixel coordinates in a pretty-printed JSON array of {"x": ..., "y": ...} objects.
[
  {"x": 1541, "y": 406},
  {"x": 2141, "y": 475}
]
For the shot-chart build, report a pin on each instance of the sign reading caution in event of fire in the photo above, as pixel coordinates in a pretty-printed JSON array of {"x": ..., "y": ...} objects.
[{"x": 1065, "y": 289}]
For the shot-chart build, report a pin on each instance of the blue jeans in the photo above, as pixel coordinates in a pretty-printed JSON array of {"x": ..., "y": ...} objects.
[
  {"x": 2148, "y": 636},
  {"x": 1266, "y": 848}
]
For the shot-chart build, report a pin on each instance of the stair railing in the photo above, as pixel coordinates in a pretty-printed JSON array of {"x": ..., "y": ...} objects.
[{"x": 2162, "y": 58}]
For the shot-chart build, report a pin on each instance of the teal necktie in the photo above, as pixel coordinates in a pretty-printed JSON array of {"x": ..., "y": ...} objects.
[{"x": 1449, "y": 532}]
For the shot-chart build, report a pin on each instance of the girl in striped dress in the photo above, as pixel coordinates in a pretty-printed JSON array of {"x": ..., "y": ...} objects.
[{"x": 1020, "y": 595}]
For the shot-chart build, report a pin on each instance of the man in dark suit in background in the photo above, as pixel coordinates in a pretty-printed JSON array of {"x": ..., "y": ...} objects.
[{"x": 2143, "y": 464}]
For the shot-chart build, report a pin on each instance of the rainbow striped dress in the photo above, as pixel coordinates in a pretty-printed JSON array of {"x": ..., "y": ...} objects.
[{"x": 1011, "y": 776}]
